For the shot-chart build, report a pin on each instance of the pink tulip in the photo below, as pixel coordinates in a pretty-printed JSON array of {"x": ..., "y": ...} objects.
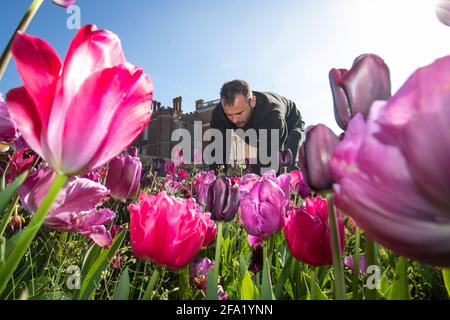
[
  {"x": 308, "y": 234},
  {"x": 124, "y": 176},
  {"x": 80, "y": 114},
  {"x": 75, "y": 206},
  {"x": 167, "y": 230},
  {"x": 210, "y": 231},
  {"x": 263, "y": 203},
  {"x": 392, "y": 172}
]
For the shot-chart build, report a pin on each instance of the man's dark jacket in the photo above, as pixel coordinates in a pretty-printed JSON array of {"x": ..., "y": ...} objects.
[{"x": 272, "y": 111}]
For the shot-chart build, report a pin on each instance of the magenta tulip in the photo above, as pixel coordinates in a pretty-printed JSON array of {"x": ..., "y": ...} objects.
[
  {"x": 356, "y": 89},
  {"x": 8, "y": 128},
  {"x": 393, "y": 176},
  {"x": 74, "y": 209},
  {"x": 80, "y": 114},
  {"x": 124, "y": 176},
  {"x": 167, "y": 230},
  {"x": 263, "y": 203},
  {"x": 308, "y": 234},
  {"x": 20, "y": 161}
]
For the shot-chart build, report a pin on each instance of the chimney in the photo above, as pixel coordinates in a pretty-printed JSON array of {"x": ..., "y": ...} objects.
[
  {"x": 179, "y": 103},
  {"x": 174, "y": 104},
  {"x": 199, "y": 103}
]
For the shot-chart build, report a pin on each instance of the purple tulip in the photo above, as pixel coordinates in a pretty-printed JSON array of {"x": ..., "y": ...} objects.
[
  {"x": 201, "y": 185},
  {"x": 349, "y": 262},
  {"x": 223, "y": 200},
  {"x": 286, "y": 158},
  {"x": 443, "y": 11},
  {"x": 74, "y": 208},
  {"x": 124, "y": 176},
  {"x": 8, "y": 128},
  {"x": 263, "y": 203},
  {"x": 393, "y": 176},
  {"x": 64, "y": 3},
  {"x": 356, "y": 89},
  {"x": 199, "y": 272},
  {"x": 256, "y": 263},
  {"x": 158, "y": 164},
  {"x": 318, "y": 147},
  {"x": 222, "y": 294}
]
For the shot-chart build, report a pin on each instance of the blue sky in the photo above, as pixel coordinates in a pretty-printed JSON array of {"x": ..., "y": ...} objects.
[{"x": 190, "y": 48}]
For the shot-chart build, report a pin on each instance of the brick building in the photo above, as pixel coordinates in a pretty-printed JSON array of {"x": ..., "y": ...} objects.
[{"x": 155, "y": 141}]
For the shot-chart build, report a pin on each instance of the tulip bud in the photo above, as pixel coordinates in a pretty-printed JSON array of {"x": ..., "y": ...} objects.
[
  {"x": 64, "y": 3},
  {"x": 124, "y": 176},
  {"x": 285, "y": 158},
  {"x": 443, "y": 11},
  {"x": 223, "y": 200},
  {"x": 318, "y": 148},
  {"x": 356, "y": 89}
]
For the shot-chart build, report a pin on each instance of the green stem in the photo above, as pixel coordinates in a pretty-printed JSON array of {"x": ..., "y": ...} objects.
[
  {"x": 339, "y": 283},
  {"x": 400, "y": 285},
  {"x": 7, "y": 216},
  {"x": 183, "y": 280},
  {"x": 371, "y": 258},
  {"x": 313, "y": 283},
  {"x": 446, "y": 276},
  {"x": 23, "y": 25},
  {"x": 26, "y": 238},
  {"x": 148, "y": 295},
  {"x": 355, "y": 275},
  {"x": 211, "y": 289}
]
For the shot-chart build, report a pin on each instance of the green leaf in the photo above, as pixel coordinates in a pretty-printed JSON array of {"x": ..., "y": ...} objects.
[
  {"x": 400, "y": 285},
  {"x": 89, "y": 259},
  {"x": 282, "y": 278},
  {"x": 101, "y": 264},
  {"x": 248, "y": 289},
  {"x": 7, "y": 194},
  {"x": 266, "y": 287},
  {"x": 446, "y": 275},
  {"x": 123, "y": 288},
  {"x": 26, "y": 238}
]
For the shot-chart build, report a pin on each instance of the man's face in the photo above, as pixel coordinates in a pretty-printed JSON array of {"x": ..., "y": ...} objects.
[{"x": 240, "y": 112}]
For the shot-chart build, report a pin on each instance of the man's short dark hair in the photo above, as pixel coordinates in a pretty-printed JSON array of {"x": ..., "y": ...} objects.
[{"x": 232, "y": 88}]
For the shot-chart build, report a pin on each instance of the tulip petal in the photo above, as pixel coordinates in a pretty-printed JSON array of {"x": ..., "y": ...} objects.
[
  {"x": 27, "y": 116},
  {"x": 39, "y": 66},
  {"x": 105, "y": 117},
  {"x": 91, "y": 50}
]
